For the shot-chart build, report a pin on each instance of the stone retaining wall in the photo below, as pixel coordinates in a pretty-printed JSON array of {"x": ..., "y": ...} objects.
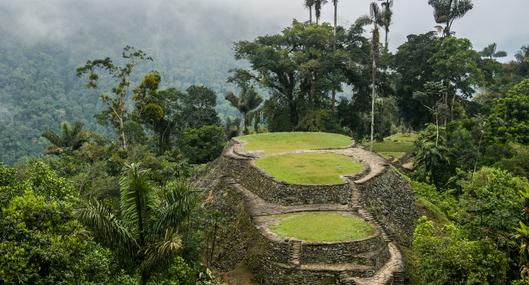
[
  {"x": 272, "y": 191},
  {"x": 346, "y": 252},
  {"x": 390, "y": 199}
]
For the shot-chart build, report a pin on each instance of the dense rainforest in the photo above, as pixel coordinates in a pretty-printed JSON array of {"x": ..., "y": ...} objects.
[{"x": 101, "y": 147}]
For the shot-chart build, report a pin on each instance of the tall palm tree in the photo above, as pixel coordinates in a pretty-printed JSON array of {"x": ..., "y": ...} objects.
[
  {"x": 387, "y": 15},
  {"x": 376, "y": 20},
  {"x": 144, "y": 231},
  {"x": 318, "y": 4},
  {"x": 335, "y": 4},
  {"x": 309, "y": 4},
  {"x": 247, "y": 101},
  {"x": 67, "y": 140},
  {"x": 447, "y": 11},
  {"x": 491, "y": 51}
]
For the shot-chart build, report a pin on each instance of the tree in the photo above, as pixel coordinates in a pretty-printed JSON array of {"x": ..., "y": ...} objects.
[
  {"x": 299, "y": 68},
  {"x": 116, "y": 99},
  {"x": 523, "y": 236},
  {"x": 41, "y": 241},
  {"x": 318, "y": 4},
  {"x": 447, "y": 11},
  {"x": 247, "y": 101},
  {"x": 335, "y": 6},
  {"x": 447, "y": 256},
  {"x": 158, "y": 109},
  {"x": 387, "y": 15},
  {"x": 203, "y": 144},
  {"x": 415, "y": 71},
  {"x": 456, "y": 66},
  {"x": 490, "y": 206},
  {"x": 198, "y": 107},
  {"x": 509, "y": 118},
  {"x": 69, "y": 138},
  {"x": 432, "y": 163},
  {"x": 491, "y": 52},
  {"x": 310, "y": 4},
  {"x": 376, "y": 19},
  {"x": 145, "y": 231}
]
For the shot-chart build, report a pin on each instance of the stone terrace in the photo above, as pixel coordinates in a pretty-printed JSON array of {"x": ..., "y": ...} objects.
[{"x": 377, "y": 194}]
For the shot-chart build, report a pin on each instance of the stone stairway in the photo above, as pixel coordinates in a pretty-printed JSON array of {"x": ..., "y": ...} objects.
[
  {"x": 295, "y": 252},
  {"x": 368, "y": 217}
]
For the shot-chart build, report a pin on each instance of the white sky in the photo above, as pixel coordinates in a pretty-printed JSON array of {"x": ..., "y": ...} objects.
[{"x": 505, "y": 22}]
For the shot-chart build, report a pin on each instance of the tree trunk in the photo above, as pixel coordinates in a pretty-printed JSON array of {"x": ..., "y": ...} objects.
[
  {"x": 373, "y": 93},
  {"x": 245, "y": 123},
  {"x": 310, "y": 14},
  {"x": 386, "y": 41},
  {"x": 122, "y": 133},
  {"x": 334, "y": 46}
]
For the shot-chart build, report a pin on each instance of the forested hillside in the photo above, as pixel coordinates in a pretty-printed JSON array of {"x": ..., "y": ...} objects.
[
  {"x": 39, "y": 87},
  {"x": 128, "y": 129}
]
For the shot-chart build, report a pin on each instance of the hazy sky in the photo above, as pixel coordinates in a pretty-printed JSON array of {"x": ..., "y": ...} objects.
[{"x": 505, "y": 22}]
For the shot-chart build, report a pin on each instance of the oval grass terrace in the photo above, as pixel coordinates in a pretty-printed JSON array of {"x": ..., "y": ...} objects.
[
  {"x": 310, "y": 168},
  {"x": 283, "y": 142},
  {"x": 321, "y": 227}
]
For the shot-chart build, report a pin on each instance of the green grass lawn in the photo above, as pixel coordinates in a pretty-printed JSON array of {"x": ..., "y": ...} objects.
[
  {"x": 272, "y": 143},
  {"x": 322, "y": 226},
  {"x": 395, "y": 146},
  {"x": 309, "y": 168}
]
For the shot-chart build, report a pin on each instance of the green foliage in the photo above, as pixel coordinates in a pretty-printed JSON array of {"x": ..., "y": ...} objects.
[
  {"x": 248, "y": 99},
  {"x": 431, "y": 160},
  {"x": 41, "y": 241},
  {"x": 69, "y": 139},
  {"x": 198, "y": 107},
  {"x": 203, "y": 144},
  {"x": 490, "y": 206},
  {"x": 447, "y": 11},
  {"x": 299, "y": 68},
  {"x": 116, "y": 98},
  {"x": 442, "y": 205},
  {"x": 523, "y": 237},
  {"x": 509, "y": 118},
  {"x": 145, "y": 235},
  {"x": 449, "y": 257}
]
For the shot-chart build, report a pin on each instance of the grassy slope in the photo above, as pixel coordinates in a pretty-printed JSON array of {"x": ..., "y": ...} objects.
[
  {"x": 395, "y": 146},
  {"x": 309, "y": 168},
  {"x": 322, "y": 226},
  {"x": 272, "y": 143}
]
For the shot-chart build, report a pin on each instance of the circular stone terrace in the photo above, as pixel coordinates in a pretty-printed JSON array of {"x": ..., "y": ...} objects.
[{"x": 299, "y": 189}]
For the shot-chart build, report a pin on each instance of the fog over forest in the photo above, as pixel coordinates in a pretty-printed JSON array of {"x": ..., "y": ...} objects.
[{"x": 185, "y": 23}]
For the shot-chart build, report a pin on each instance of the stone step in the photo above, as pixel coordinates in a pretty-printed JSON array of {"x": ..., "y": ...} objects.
[
  {"x": 348, "y": 269},
  {"x": 295, "y": 252}
]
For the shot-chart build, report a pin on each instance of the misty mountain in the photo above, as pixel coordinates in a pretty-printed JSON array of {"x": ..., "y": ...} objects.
[{"x": 43, "y": 43}]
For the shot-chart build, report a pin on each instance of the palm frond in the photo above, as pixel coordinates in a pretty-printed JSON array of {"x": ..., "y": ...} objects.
[
  {"x": 177, "y": 203},
  {"x": 135, "y": 199},
  {"x": 107, "y": 227},
  {"x": 53, "y": 138},
  {"x": 159, "y": 254}
]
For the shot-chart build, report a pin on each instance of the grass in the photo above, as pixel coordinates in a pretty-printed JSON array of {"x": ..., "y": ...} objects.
[
  {"x": 322, "y": 226},
  {"x": 309, "y": 168},
  {"x": 395, "y": 146},
  {"x": 273, "y": 143}
]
